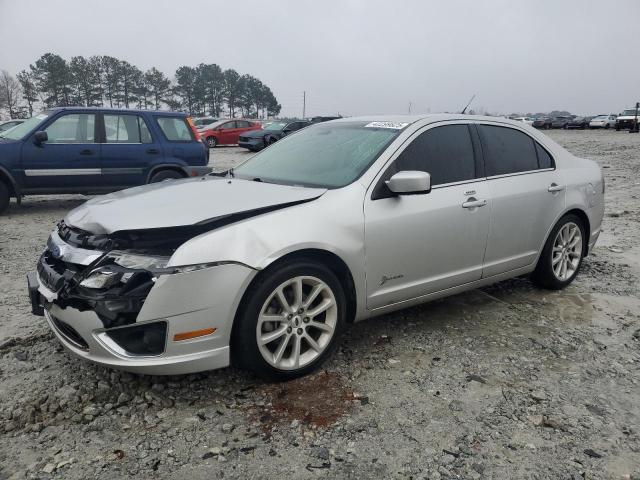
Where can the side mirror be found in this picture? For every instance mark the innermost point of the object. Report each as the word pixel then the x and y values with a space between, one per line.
pixel 40 137
pixel 409 182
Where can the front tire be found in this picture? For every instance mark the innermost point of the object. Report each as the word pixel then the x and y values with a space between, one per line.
pixel 5 197
pixel 212 142
pixel 562 255
pixel 290 321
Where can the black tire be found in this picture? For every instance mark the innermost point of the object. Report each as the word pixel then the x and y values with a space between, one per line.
pixel 244 344
pixel 163 175
pixel 543 275
pixel 212 142
pixel 606 127
pixel 5 197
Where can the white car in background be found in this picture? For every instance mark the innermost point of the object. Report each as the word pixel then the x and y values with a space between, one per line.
pixel 527 120
pixel 603 121
pixel 9 124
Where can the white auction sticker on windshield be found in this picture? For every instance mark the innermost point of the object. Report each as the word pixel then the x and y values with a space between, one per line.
pixel 392 125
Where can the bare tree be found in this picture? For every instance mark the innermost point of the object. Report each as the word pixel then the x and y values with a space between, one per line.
pixel 9 93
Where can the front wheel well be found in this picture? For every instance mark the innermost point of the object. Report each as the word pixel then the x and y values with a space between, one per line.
pixel 4 178
pixel 326 258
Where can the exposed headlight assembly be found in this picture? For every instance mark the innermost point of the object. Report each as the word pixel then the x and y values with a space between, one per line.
pixel 127 264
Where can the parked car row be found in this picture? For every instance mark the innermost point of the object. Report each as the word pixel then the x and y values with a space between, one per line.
pixel 626 120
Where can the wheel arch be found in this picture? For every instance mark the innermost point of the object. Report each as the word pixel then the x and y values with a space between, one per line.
pixel 159 168
pixel 324 257
pixel 9 181
pixel 582 215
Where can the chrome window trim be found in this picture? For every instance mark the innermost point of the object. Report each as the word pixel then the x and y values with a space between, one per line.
pixel 514 174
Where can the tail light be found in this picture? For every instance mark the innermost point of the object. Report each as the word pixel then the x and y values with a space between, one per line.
pixel 194 129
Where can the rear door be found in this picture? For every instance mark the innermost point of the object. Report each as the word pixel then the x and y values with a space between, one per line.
pixel 128 149
pixel 228 133
pixel 69 159
pixel 527 195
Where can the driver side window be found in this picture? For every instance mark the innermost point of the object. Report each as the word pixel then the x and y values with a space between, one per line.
pixel 72 128
pixel 446 153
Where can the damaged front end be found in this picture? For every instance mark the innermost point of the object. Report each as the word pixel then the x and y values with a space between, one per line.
pixel 88 272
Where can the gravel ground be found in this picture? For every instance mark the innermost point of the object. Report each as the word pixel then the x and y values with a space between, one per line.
pixel 503 382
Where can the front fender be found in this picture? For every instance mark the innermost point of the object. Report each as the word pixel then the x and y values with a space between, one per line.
pixel 333 223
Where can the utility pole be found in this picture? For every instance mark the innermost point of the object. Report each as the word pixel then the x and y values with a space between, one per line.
pixel 304 104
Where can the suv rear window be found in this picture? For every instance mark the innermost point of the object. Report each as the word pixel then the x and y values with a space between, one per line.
pixel 507 150
pixel 175 129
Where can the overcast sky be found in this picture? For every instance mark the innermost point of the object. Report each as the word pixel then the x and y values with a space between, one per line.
pixel 360 56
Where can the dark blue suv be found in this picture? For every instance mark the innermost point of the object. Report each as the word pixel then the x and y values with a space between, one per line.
pixel 96 150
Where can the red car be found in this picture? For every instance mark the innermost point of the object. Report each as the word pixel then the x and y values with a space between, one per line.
pixel 226 132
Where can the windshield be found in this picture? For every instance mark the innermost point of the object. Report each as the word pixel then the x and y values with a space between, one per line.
pixel 329 155
pixel 631 113
pixel 19 131
pixel 275 126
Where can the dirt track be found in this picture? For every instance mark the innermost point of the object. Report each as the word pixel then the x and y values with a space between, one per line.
pixel 503 382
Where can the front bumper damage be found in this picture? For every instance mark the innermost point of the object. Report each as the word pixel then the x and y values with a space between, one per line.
pixel 132 324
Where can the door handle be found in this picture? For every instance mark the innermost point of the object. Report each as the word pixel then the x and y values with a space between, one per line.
pixel 472 203
pixel 86 151
pixel 554 187
pixel 153 151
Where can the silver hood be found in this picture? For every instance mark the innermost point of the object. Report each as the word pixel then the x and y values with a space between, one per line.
pixel 178 203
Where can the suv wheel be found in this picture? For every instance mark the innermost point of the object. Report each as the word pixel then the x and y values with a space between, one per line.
pixel 5 197
pixel 212 142
pixel 290 322
pixel 163 175
pixel 562 255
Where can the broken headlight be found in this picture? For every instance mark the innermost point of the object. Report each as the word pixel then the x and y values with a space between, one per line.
pixel 139 261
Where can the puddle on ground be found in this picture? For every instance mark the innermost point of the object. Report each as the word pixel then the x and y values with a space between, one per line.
pixel 317 401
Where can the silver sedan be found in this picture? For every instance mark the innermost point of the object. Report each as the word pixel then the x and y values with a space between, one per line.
pixel 264 266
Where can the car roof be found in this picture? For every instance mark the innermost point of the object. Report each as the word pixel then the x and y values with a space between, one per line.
pixel 430 118
pixel 116 110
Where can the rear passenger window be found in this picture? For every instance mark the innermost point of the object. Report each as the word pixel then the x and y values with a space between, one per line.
pixel 446 153
pixel 228 126
pixel 242 124
pixel 175 129
pixel 544 159
pixel 126 129
pixel 507 150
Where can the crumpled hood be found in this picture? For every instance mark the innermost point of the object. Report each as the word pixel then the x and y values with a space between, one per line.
pixel 177 203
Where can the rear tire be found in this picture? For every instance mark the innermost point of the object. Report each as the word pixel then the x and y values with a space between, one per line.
pixel 295 340
pixel 5 197
pixel 562 255
pixel 163 175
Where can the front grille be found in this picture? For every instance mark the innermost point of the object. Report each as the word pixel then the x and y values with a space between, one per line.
pixel 70 333
pixel 54 272
pixel 243 139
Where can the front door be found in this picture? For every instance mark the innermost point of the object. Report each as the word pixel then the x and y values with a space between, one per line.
pixel 424 243
pixel 69 159
pixel 228 133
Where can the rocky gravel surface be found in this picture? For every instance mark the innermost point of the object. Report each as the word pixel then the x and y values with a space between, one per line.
pixel 506 382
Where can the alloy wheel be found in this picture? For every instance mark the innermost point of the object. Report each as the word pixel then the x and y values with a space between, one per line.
pixel 296 323
pixel 567 251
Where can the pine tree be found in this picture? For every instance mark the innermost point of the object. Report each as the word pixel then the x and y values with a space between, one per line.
pixel 29 90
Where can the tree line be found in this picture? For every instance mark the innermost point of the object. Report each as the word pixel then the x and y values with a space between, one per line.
pixel 104 81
